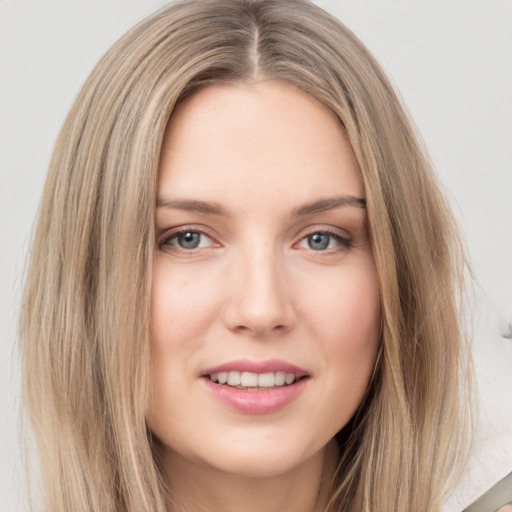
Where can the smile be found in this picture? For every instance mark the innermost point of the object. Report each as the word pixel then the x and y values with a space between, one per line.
pixel 255 381
pixel 255 387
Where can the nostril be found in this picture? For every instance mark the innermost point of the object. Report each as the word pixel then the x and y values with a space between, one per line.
pixel 256 331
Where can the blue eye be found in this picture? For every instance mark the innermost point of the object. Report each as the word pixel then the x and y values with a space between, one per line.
pixel 187 240
pixel 318 241
pixel 323 240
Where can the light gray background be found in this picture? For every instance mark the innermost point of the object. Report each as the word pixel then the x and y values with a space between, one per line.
pixel 450 59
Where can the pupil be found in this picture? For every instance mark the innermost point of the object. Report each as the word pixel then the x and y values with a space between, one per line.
pixel 318 241
pixel 189 240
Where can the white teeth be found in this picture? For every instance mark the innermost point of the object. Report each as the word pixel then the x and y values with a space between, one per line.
pixel 249 380
pixel 234 378
pixel 266 380
pixel 279 378
pixel 253 380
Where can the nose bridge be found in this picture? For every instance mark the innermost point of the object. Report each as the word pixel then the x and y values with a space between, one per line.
pixel 259 301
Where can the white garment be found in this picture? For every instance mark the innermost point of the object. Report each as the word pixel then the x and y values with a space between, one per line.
pixel 491 455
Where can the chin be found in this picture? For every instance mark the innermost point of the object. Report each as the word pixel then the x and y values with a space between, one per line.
pixel 258 458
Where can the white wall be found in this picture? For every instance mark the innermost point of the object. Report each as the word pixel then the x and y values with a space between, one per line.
pixel 452 61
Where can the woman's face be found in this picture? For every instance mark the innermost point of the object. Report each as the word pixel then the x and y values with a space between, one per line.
pixel 265 300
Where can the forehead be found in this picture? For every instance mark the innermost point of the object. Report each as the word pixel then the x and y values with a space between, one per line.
pixel 259 140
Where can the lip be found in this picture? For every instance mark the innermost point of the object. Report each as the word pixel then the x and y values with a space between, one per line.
pixel 246 365
pixel 251 401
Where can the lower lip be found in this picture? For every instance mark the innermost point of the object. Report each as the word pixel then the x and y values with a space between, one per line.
pixel 263 401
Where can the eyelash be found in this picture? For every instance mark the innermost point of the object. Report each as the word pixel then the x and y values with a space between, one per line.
pixel 166 241
pixel 344 242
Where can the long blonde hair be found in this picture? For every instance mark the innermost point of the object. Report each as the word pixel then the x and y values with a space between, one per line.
pixel 85 315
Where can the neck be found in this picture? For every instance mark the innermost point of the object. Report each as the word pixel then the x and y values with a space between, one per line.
pixel 200 488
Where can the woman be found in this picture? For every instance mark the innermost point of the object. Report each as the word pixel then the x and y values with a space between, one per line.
pixel 243 291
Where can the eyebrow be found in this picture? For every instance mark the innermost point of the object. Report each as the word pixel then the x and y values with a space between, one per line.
pixel 322 205
pixel 329 204
pixel 193 205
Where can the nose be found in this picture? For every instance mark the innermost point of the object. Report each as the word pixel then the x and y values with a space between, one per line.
pixel 259 300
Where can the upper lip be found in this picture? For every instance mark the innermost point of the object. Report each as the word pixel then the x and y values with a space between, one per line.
pixel 267 366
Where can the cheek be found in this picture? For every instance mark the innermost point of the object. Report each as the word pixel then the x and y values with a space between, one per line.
pixel 181 309
pixel 182 306
pixel 175 337
pixel 344 307
pixel 344 321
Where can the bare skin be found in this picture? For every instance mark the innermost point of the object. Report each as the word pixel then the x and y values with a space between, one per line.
pixel 214 492
pixel 263 267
